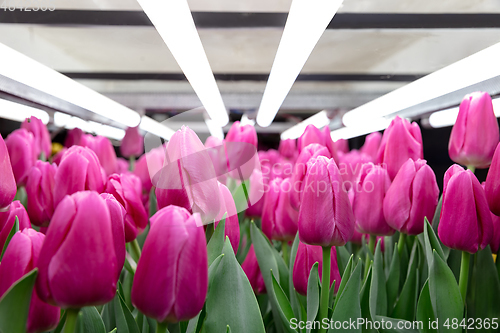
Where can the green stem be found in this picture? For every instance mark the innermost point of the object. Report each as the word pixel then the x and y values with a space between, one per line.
pixel 136 250
pixel 464 274
pixel 325 286
pixel 161 327
pixel 401 243
pixel 471 168
pixel 71 318
pixel 372 242
pixel 131 164
pixel 284 249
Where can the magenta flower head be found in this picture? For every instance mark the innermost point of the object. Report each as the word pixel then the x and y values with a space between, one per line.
pixel 40 185
pixel 79 170
pixel 251 268
pixel 492 186
pixel 412 196
pixel 122 165
pixel 8 218
pixel 342 146
pixel 368 202
pixel 465 223
pixel 149 165
pixel 117 216
pixel 307 255
pixel 300 171
pixel 78 263
pixel 311 135
pixel 328 143
pixel 401 141
pixel 350 165
pixel 495 239
pixel 241 150
pixel 288 148
pixel 279 219
pixel 73 138
pixel 325 215
pixel 104 150
pixel 171 281
pixel 40 133
pixel 232 226
pixel 132 143
pixel 475 134
pixel 216 148
pixel 19 259
pixel 23 153
pixel 188 178
pixel 126 188
pixel 56 159
pixel 371 145
pixel 256 194
pixel 8 186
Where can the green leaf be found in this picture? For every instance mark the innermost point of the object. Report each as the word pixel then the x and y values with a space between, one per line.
pixel 348 307
pixel 153 207
pixel 437 215
pixel 193 323
pixel 343 281
pixel 228 329
pixel 313 293
pixel 91 321
pixel 425 313
pixel 293 294
pixel 445 295
pixel 395 323
pixel 286 312
pixel 15 228
pixel 283 272
pixel 108 315
pixel 392 285
pixel 378 293
pixel 431 243
pixel 15 303
pixel 230 299
pixel 388 254
pixel 343 257
pixel 365 301
pixel 406 304
pixel 216 243
pixel 125 322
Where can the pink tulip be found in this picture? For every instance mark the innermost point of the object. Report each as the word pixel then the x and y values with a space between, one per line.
pixel 78 263
pixel 372 144
pixel 307 255
pixel 311 135
pixel 217 150
pixel 79 170
pixel 23 153
pixel 256 194
pixel 288 148
pixel 149 165
pixel 495 239
pixel 465 223
pixel 325 215
pixel 40 133
pixel 188 178
pixel 350 166
pixel 132 143
pixel 40 185
pixel 270 161
pixel 241 147
pixel 117 216
pixel 328 143
pixel 56 159
pixel 342 146
pixel 171 281
pixel 7 181
pixel 475 134
pixel 242 133
pixel 251 268
pixel 73 138
pixel 8 218
pixel 412 196
pixel 492 186
pixel 122 165
pixel 368 202
pixel 19 259
pixel 232 225
pixel 279 219
pixel 104 150
pixel 401 141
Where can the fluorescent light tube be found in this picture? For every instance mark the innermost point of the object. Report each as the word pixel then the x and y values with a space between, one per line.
pixel 25 70
pixel 476 68
pixel 19 112
pixel 69 122
pixel 448 117
pixel 365 128
pixel 156 128
pixel 319 120
pixel 214 129
pixel 306 22
pixel 247 121
pixel 174 23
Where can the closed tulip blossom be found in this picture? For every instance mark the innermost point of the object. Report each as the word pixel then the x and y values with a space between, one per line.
pixel 369 193
pixel 171 281
pixel 332 148
pixel 495 239
pixel 288 148
pixel 492 186
pixel 307 255
pixel 412 196
pixel 256 194
pixel 342 146
pixel 132 143
pixel 40 186
pixel 149 165
pixel 56 159
pixel 325 215
pixel 73 138
pixel 40 133
pixel 188 178
pixel 8 218
pixel 8 186
pixel 104 151
pixel 350 166
pixel 122 165
pixel 126 188
pixel 232 225
pixel 475 134
pixel 19 259
pixel 241 148
pixel 371 145
pixel 311 135
pixel 23 153
pixel 251 268
pixel 117 216
pixel 79 170
pixel 279 219
pixel 401 141
pixel 78 264
pixel 217 151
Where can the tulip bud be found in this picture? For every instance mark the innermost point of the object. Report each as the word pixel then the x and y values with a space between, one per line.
pixel 307 255
pixel 78 263
pixel 7 181
pixel 8 218
pixel 126 188
pixel 371 145
pixel 148 166
pixel 19 259
pixel 232 225
pixel 173 264
pixel 40 133
pixel 287 148
pixel 23 153
pixel 325 215
pixel 268 161
pixel 311 135
pixel 132 143
pixel 217 150
pixel 122 165
pixel 342 146
pixel 40 185
pixel 241 146
pixel 368 202
pixel 279 219
pixel 188 178
pixel 251 268
pixel 56 159
pixel 495 239
pixel 104 150
pixel 73 138
pixel 117 216
pixel 401 141
pixel 256 194
pixel 300 171
pixel 492 186
pixel 475 134
pixel 465 223
pixel 412 196
pixel 350 166
pixel 328 143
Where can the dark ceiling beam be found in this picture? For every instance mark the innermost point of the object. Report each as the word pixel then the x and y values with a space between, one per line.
pixel 254 20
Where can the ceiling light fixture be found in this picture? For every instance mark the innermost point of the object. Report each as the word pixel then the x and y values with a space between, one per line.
pixel 19 112
pixel 374 125
pixel 319 120
pixel 448 117
pixel 156 128
pixel 69 122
